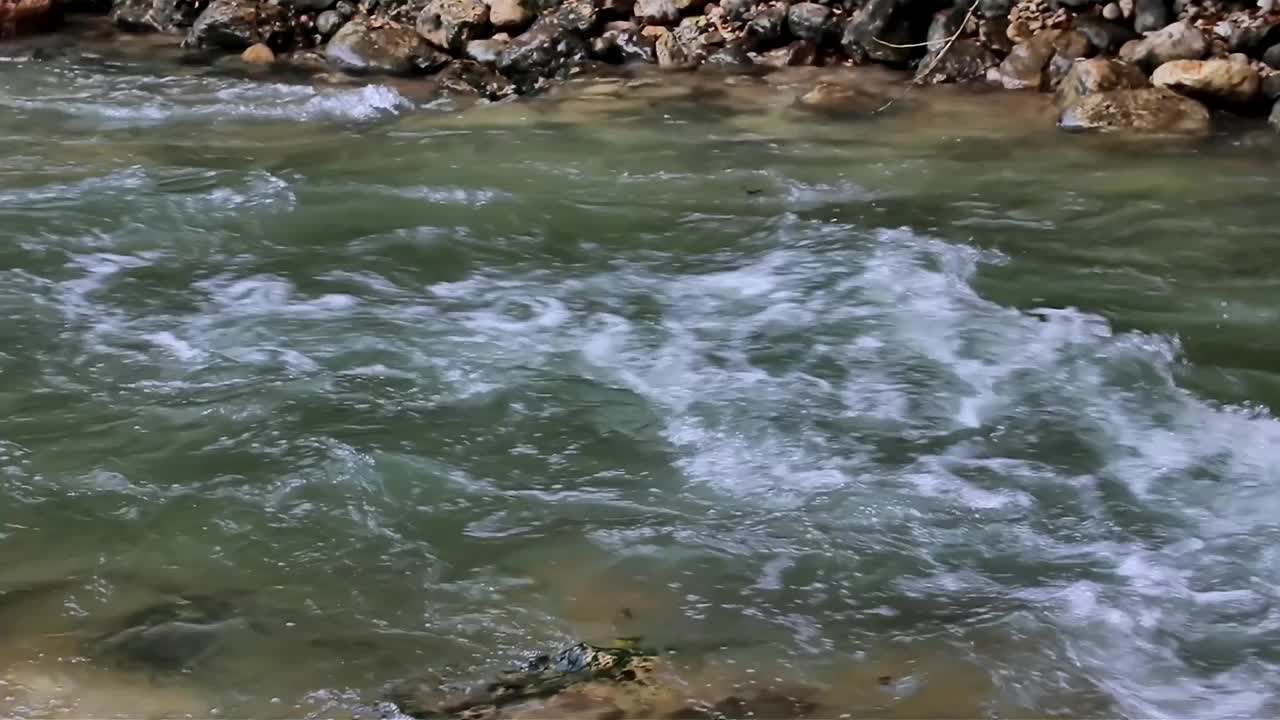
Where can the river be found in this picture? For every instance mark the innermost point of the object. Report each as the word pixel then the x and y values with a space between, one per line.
pixel 938 414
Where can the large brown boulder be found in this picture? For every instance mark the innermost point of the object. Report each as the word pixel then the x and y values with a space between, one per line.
pixel 1025 67
pixel 1088 77
pixel 1214 81
pixel 451 24
pixel 1147 111
pixel 19 17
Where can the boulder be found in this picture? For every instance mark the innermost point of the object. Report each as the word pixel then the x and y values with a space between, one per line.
pixel 20 17
pixel 362 47
pixel 838 99
pixel 1088 77
pixel 657 12
pixel 451 24
pixel 1111 11
pixel 1024 69
pixel 1274 119
pixel 798 53
pixel 767 27
pixel 486 51
pixel 736 10
pixel 1214 81
pixel 1179 41
pixel 809 21
pixel 670 53
pixel 965 60
pixel 237 24
pixel 1271 56
pixel 152 15
pixel 1151 15
pixel 874 24
pixel 1146 111
pixel 546 49
pixel 328 22
pixel 1105 37
pixel 577 15
pixel 1271 87
pixel 510 15
pixel 624 46
pixel 258 54
pixel 1072 45
pixel 732 55
pixel 470 77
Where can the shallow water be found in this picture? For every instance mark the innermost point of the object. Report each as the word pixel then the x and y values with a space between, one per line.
pixel 939 414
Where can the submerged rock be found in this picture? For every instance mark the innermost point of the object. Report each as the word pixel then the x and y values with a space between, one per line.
pixel 1088 77
pixel 362 46
pixel 470 77
pixel 832 99
pixel 171 636
pixel 1219 81
pixel 1274 118
pixel 237 24
pixel 1151 110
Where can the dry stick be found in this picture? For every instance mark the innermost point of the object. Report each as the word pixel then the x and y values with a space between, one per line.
pixel 936 58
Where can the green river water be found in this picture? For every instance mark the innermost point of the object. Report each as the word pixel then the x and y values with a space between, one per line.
pixel 937 414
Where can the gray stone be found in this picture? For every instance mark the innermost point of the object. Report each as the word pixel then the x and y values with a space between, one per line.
pixel 1088 77
pixel 1179 41
pixel 328 22
pixel 510 15
pixel 768 26
pixel 1024 69
pixel 797 54
pixel 732 55
pixel 1271 87
pixel 451 24
pixel 736 10
pixel 237 24
pixel 874 29
pixel 1271 56
pixel 809 21
pixel 361 47
pixel 1274 119
pixel 657 12
pixel 624 46
pixel 1112 12
pixel 1146 111
pixel 1105 36
pixel 1151 15
pixel 546 49
pixel 670 53
pixel 470 77
pixel 577 15
pixel 346 9
pixel 152 15
pixel 485 51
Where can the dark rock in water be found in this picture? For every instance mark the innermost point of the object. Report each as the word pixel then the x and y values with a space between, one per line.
pixel 546 49
pixel 1274 119
pixel 1096 75
pixel 729 56
pixel 1147 111
pixel 451 24
pixel 307 60
pixel 1271 56
pixel 1105 36
pixel 657 12
pixel 237 24
pixel 874 31
pixel 168 637
pixel 1271 87
pixel 510 15
pixel 1025 67
pixel 468 76
pixel 1151 15
pixel 809 21
pixel 1179 41
pixel 328 22
pixel 799 53
pixel 767 27
pixel 966 60
pixel 152 15
pixel 360 46
pixel 770 704
pixel 313 6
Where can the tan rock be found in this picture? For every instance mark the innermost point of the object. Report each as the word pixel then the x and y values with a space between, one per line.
pixel 258 54
pixel 1087 77
pixel 1212 80
pixel 1156 111
pixel 509 14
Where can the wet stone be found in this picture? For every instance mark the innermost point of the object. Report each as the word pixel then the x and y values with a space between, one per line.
pixel 168 637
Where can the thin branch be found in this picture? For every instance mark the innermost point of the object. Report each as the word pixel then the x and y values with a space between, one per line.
pixel 936 58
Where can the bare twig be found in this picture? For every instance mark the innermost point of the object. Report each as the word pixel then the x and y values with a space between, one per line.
pixel 946 45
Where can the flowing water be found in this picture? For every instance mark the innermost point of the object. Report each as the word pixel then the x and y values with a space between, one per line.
pixel 939 414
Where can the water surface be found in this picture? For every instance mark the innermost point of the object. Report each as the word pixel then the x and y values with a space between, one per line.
pixel 939 414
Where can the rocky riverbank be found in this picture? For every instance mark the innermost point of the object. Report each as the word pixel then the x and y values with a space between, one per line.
pixel 1161 66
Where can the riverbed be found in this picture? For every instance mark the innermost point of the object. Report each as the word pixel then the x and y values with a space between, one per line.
pixel 932 413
